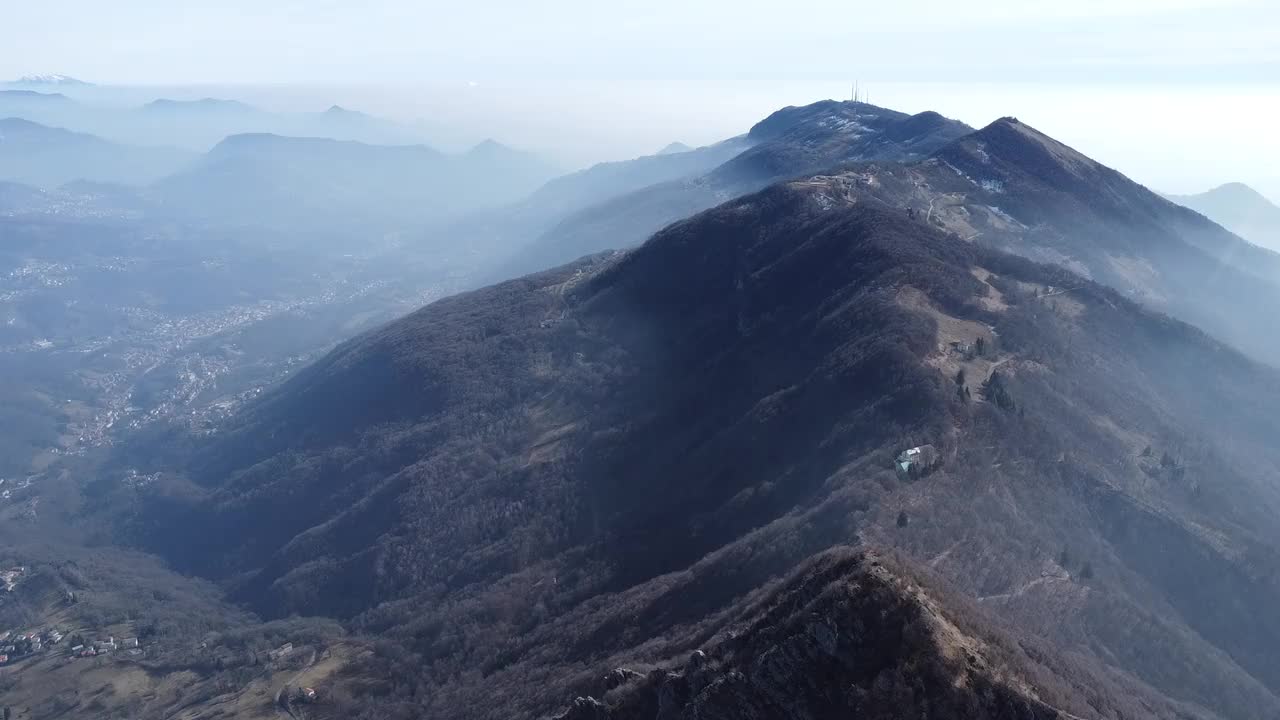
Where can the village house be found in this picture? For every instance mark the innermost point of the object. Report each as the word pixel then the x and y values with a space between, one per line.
pixel 921 458
pixel 129 642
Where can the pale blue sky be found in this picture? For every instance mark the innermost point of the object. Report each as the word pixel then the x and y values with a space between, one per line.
pixel 171 41
pixel 586 79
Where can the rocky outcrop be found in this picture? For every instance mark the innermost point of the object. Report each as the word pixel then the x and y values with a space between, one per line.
pixel 585 708
pixel 846 637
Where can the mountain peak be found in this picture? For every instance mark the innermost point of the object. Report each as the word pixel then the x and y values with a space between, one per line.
pixel 488 145
pixel 490 149
pixel 1009 146
pixel 51 79
pixel 1011 124
pixel 1239 190
pixel 339 111
pixel 830 114
pixel 1239 208
pixel 674 148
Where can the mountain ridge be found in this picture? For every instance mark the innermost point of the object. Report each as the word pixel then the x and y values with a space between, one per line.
pixel 827 641
pixel 1015 189
pixel 533 430
pixel 789 142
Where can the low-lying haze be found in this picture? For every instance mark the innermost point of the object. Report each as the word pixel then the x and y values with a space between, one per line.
pixel 1124 81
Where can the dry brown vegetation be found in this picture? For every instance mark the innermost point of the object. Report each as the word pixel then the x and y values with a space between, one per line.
pixel 519 505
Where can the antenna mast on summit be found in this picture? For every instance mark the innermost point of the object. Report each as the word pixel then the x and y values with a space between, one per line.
pixel 859 95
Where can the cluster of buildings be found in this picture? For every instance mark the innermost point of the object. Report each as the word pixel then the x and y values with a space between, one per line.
pixel 106 647
pixel 13 647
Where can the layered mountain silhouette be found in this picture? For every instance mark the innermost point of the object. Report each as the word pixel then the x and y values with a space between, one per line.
pixel 43 156
pixel 194 124
pixel 29 99
pixel 606 463
pixel 296 182
pixel 674 148
pixel 609 180
pixel 789 142
pixel 1238 208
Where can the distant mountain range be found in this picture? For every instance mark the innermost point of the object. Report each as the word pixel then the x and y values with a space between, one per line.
pixel 1240 209
pixel 43 156
pixel 34 98
pixel 298 183
pixel 195 124
pixel 616 205
pixel 510 232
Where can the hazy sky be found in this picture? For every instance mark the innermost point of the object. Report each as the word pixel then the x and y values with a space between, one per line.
pixel 1177 93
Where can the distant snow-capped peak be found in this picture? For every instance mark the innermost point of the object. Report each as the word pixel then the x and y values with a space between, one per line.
pixel 49 80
